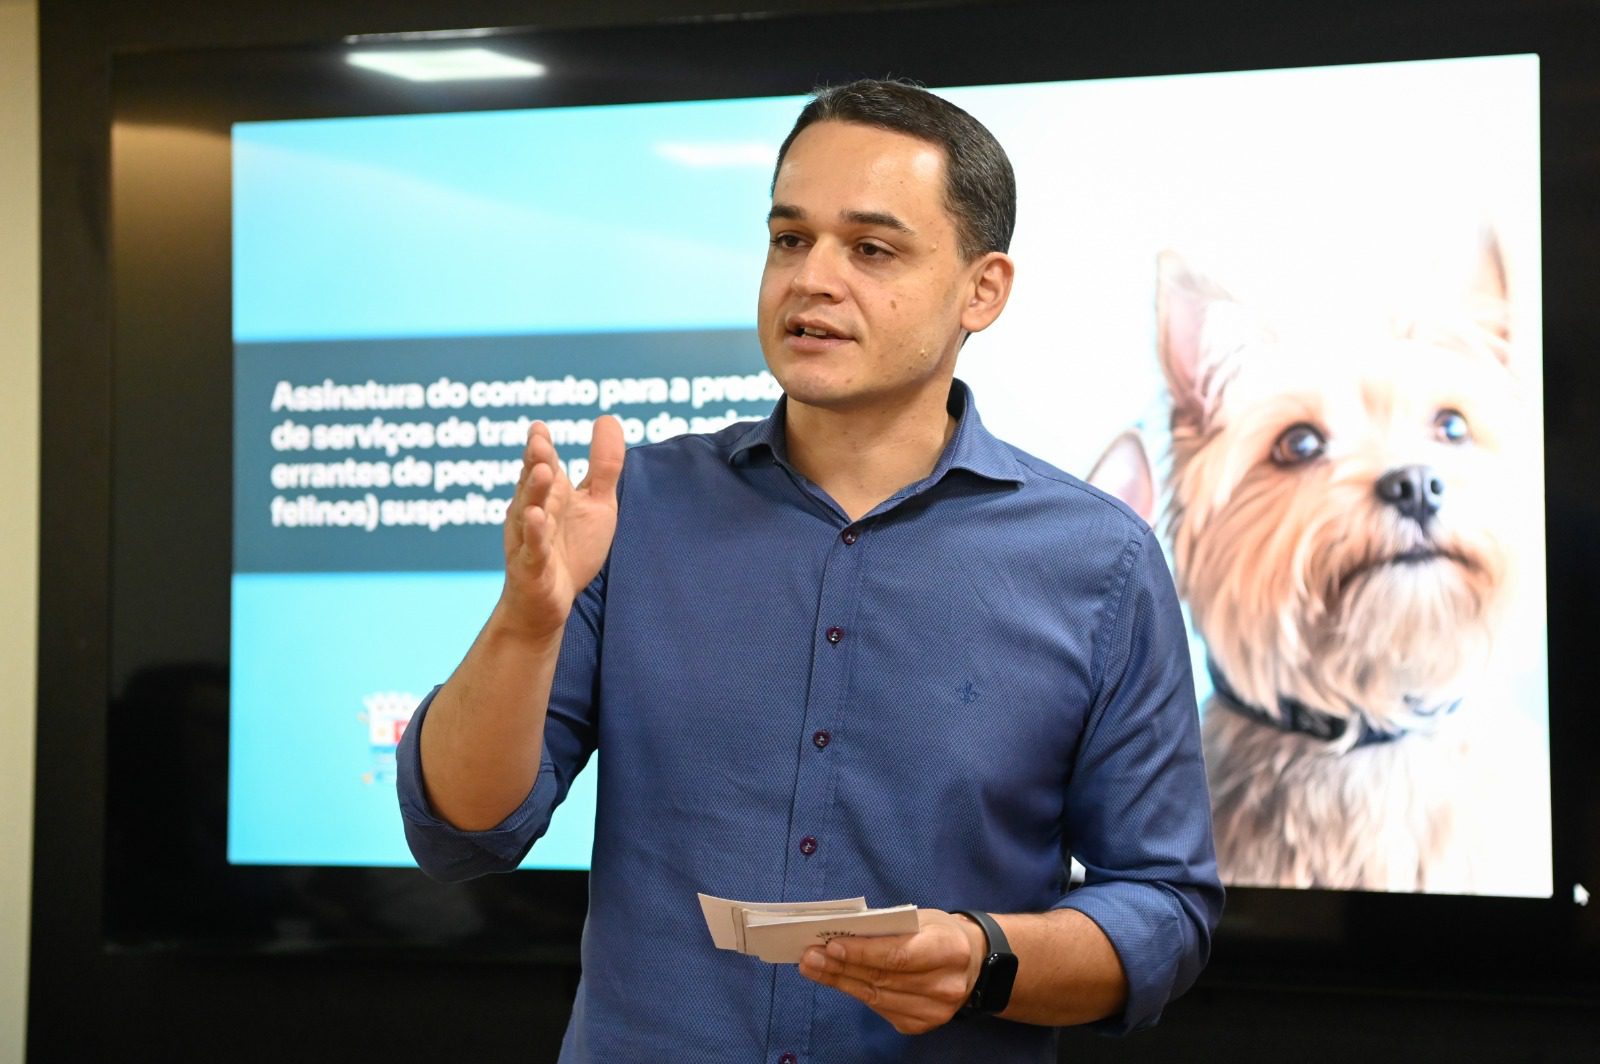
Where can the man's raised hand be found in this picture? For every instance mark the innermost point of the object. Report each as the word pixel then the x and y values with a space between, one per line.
pixel 556 535
pixel 482 743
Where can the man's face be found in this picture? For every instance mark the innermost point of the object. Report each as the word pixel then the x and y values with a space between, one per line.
pixel 865 294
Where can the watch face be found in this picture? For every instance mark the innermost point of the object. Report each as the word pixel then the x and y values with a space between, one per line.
pixel 995 981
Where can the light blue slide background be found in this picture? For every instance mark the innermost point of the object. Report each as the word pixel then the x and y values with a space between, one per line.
pixel 588 219
pixel 307 649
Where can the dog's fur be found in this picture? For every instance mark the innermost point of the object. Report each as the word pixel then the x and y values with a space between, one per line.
pixel 1306 585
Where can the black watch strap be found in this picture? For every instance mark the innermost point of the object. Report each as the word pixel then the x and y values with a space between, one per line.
pixel 992 992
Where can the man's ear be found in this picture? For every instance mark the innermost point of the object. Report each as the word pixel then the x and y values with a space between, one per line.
pixel 988 290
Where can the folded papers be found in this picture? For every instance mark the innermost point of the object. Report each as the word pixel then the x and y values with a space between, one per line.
pixel 779 932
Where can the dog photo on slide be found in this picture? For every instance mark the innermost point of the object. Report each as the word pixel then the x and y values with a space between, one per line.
pixel 1340 502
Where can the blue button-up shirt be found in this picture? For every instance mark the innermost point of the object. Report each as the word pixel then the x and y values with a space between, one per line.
pixel 939 703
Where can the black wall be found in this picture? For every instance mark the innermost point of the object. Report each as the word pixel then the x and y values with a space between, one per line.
pixel 90 1004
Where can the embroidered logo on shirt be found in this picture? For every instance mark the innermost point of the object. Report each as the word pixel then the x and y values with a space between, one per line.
pixel 969 693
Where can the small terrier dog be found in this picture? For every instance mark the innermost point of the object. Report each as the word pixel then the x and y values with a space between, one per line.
pixel 1336 512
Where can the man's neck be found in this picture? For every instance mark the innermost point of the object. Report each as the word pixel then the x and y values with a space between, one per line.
pixel 863 455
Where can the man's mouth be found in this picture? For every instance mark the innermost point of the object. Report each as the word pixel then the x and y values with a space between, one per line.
pixel 815 330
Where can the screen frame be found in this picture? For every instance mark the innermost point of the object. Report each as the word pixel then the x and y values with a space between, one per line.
pixel 1314 936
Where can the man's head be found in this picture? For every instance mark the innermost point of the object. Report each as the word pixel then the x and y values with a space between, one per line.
pixel 980 189
pixel 882 257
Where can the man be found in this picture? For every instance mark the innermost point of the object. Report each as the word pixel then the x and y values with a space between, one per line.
pixel 862 647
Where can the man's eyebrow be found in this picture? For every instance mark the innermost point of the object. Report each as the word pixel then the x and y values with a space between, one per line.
pixel 883 219
pixel 879 218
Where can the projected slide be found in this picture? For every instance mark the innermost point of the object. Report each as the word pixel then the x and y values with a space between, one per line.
pixel 1290 316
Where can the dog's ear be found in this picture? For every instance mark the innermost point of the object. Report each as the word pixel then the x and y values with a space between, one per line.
pixel 1487 301
pixel 1124 471
pixel 1184 297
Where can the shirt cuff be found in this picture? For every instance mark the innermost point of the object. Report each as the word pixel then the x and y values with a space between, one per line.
pixel 444 851
pixel 1150 937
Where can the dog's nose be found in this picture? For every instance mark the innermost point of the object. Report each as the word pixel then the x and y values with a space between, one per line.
pixel 1414 490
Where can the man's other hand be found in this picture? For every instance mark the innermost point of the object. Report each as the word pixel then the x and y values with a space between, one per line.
pixel 917 982
pixel 556 535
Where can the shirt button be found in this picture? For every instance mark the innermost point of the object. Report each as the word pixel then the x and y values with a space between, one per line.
pixel 820 740
pixel 808 845
pixel 849 536
pixel 788 1058
pixel 835 634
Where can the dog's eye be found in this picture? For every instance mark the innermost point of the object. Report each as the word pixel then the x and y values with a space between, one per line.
pixel 1298 443
pixel 1451 427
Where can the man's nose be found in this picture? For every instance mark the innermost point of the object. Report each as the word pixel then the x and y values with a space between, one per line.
pixel 819 273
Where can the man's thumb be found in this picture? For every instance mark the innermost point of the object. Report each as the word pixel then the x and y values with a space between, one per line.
pixel 606 451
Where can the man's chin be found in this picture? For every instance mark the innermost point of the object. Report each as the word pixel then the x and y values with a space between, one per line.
pixel 832 386
pixel 843 400
pixel 824 399
pixel 806 386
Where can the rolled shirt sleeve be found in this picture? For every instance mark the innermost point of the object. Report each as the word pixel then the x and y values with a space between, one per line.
pixel 447 853
pixel 1138 813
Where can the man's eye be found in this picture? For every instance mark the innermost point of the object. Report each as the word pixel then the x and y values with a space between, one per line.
pixel 787 241
pixel 873 251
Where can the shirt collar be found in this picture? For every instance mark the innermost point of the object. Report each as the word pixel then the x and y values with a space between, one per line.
pixel 971 448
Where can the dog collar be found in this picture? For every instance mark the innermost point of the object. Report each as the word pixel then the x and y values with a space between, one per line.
pixel 1295 716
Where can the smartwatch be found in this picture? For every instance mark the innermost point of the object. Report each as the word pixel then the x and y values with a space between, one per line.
pixel 992 992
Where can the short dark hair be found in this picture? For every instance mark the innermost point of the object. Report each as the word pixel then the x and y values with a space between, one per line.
pixel 980 189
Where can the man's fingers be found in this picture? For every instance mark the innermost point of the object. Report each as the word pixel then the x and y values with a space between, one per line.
pixel 533 519
pixel 533 492
pixel 923 974
pixel 910 1013
pixel 944 984
pixel 535 533
pixel 537 445
pixel 539 479
pixel 539 469
pixel 606 451
pixel 913 952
